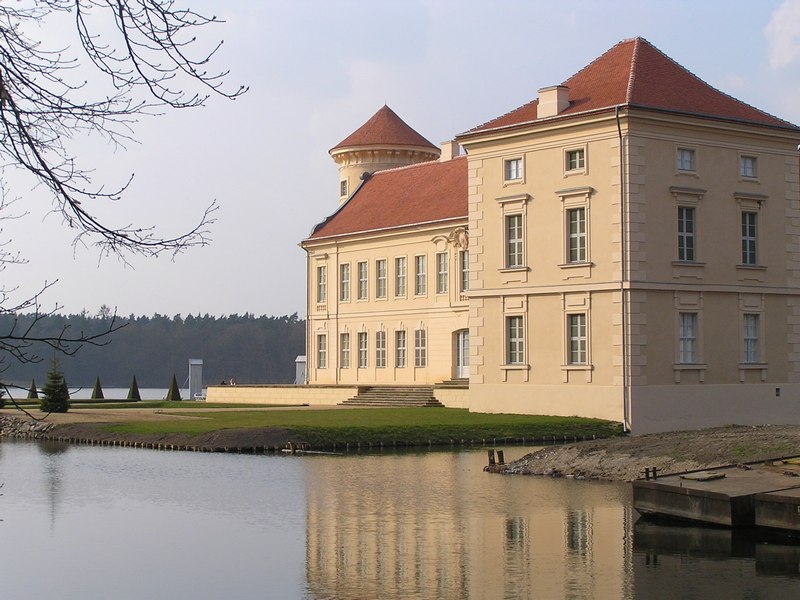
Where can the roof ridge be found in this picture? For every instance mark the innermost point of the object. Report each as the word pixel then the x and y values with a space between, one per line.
pixel 632 73
pixel 426 163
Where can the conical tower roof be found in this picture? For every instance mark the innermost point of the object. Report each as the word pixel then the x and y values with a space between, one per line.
pixel 637 74
pixel 383 129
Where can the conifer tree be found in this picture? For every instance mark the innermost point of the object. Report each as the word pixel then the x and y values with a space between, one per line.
pixel 97 391
pixel 55 397
pixel 33 392
pixel 174 393
pixel 133 392
pixel 2 395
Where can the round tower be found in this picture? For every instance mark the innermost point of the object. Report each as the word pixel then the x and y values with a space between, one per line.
pixel 383 142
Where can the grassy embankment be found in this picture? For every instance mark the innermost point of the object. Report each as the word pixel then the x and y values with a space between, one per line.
pixel 387 426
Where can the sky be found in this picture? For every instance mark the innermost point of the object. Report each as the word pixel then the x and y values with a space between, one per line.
pixel 317 70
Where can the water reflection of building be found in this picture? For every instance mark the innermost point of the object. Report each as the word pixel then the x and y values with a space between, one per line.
pixel 387 528
pixel 705 562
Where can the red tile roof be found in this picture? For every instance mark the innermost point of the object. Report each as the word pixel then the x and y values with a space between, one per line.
pixel 422 193
pixel 382 129
pixel 637 74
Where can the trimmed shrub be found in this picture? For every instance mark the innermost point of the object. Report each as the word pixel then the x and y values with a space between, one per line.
pixel 97 391
pixel 174 393
pixel 133 392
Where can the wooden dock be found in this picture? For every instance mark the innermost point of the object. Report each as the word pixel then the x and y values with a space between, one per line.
pixel 763 495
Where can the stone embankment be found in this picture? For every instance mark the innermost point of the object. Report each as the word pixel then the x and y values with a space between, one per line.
pixel 13 427
pixel 626 458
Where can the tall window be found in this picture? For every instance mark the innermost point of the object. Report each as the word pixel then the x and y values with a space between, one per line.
pixel 747 166
pixel 513 241
pixel 685 159
pixel 343 187
pixel 749 230
pixel 515 353
pixel 576 159
pixel 512 169
pixel 686 233
pixel 400 276
pixel 420 276
pixel 344 350
pixel 576 229
pixel 441 272
pixel 362 349
pixel 750 338
pixel 463 261
pixel 344 282
pixel 322 351
pixel 380 278
pixel 363 275
pixel 400 349
pixel 420 348
pixel 322 284
pixel 380 349
pixel 687 338
pixel 576 332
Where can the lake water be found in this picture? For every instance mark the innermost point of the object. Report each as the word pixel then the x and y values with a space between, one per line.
pixel 90 522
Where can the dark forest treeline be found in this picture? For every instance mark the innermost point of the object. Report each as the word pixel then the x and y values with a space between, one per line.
pixel 246 348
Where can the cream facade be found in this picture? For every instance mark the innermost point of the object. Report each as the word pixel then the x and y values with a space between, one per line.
pixel 394 311
pixel 632 239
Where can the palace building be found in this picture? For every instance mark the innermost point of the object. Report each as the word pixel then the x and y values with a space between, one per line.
pixel 625 246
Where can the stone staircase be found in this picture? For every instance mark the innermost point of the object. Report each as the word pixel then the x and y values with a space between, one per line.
pixel 457 382
pixel 394 396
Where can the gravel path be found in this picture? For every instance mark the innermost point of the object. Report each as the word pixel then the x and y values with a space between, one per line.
pixel 624 459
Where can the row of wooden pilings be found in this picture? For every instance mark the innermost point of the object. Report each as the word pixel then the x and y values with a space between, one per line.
pixel 163 446
pixel 347 447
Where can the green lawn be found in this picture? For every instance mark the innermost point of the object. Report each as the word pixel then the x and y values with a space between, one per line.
pixel 409 426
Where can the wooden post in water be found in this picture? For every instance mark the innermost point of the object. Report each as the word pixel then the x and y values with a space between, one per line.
pixel 500 458
pixel 491 457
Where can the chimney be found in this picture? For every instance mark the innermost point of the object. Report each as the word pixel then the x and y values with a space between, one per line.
pixel 450 149
pixel 552 100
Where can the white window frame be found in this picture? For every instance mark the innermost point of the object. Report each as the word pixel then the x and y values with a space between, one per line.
pixel 322 284
pixel 515 340
pixel 748 167
pixel 381 271
pixel 322 350
pixel 688 350
pixel 686 159
pixel 513 170
pixel 380 349
pixel 463 264
pixel 420 348
pixel 577 251
pixel 751 338
pixel 577 330
pixel 575 160
pixel 344 282
pixel 400 348
pixel 362 268
pixel 686 237
pixel 400 276
pixel 344 350
pixel 343 188
pixel 749 231
pixel 363 350
pixel 515 240
pixel 420 275
pixel 442 272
